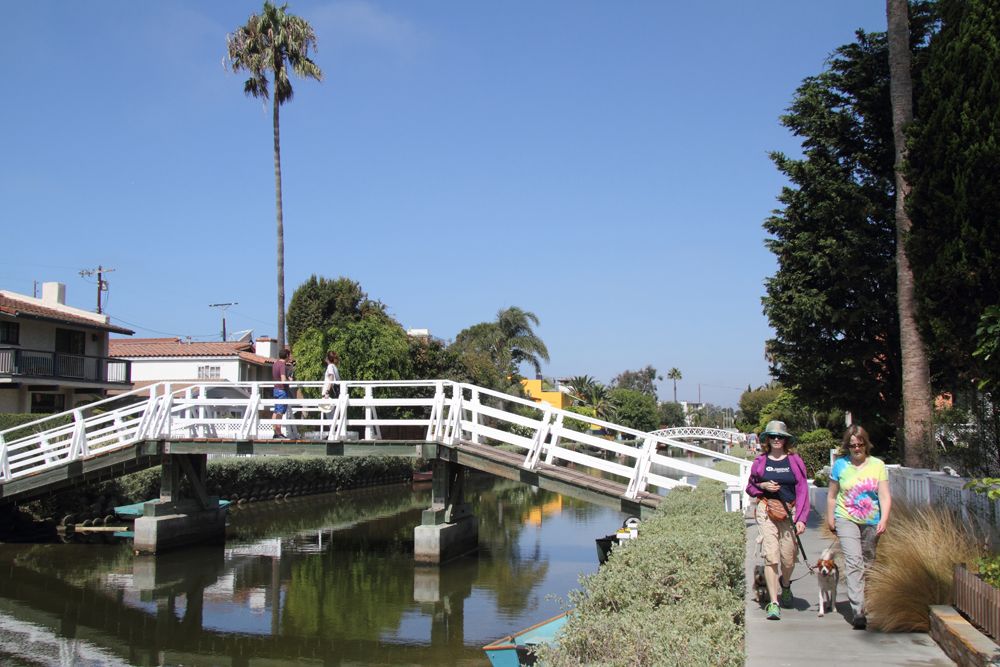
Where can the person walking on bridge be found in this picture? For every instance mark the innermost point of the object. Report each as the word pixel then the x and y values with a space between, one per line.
pixel 778 482
pixel 332 375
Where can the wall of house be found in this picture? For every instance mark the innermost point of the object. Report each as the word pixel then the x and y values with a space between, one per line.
pixel 38 335
pixel 182 368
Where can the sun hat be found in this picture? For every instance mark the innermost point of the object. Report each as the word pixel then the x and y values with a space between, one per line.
pixel 775 427
pixel 326 408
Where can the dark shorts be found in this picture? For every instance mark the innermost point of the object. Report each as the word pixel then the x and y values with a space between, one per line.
pixel 280 409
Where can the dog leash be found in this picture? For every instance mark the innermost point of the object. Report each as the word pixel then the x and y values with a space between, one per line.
pixel 795 534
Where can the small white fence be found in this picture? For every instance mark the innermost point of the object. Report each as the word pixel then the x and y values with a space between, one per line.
pixel 445 412
pixel 920 487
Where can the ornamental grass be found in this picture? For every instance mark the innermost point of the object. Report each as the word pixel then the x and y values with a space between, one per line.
pixel 914 566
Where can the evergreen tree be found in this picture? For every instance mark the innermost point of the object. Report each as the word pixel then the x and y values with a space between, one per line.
pixel 832 302
pixel 954 166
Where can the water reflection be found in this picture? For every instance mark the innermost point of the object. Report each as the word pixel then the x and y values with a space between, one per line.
pixel 329 579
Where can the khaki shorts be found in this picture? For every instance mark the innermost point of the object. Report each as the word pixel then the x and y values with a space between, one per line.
pixel 777 540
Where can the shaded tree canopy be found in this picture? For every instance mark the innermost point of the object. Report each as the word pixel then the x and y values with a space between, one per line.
pixel 321 302
pixel 954 168
pixel 635 409
pixel 643 380
pixel 832 301
pixel 670 414
pixel 493 351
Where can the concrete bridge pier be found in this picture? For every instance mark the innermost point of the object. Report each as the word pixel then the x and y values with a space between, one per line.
pixel 175 520
pixel 448 529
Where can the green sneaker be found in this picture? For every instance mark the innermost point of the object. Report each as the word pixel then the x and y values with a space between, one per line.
pixel 786 597
pixel 773 612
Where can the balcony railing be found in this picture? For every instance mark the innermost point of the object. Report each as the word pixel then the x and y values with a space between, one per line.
pixel 18 362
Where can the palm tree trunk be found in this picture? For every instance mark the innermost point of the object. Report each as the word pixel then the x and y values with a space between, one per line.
pixel 918 428
pixel 281 228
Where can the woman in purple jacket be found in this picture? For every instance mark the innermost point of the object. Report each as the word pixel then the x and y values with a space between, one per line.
pixel 779 473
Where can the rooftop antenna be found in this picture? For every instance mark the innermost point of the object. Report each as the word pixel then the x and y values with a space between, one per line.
pixel 223 306
pixel 102 284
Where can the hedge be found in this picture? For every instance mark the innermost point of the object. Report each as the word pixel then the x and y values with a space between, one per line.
pixel 14 419
pixel 675 596
pixel 236 479
pixel 816 455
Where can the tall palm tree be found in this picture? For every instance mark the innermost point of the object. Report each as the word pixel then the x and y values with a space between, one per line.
pixel 274 42
pixel 516 340
pixel 675 375
pixel 918 429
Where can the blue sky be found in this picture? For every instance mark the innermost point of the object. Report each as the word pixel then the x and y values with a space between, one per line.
pixel 603 165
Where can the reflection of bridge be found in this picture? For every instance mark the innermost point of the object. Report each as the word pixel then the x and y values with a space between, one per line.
pixel 450 423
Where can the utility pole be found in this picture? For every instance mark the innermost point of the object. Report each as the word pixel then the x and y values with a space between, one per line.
pixel 223 306
pixel 102 284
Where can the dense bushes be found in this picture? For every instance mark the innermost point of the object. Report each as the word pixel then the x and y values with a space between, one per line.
pixel 816 455
pixel 13 419
pixel 237 479
pixel 674 596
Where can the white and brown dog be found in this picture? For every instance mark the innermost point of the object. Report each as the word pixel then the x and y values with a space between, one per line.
pixel 828 576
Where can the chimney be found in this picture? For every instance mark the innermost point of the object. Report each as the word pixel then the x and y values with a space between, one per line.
pixel 266 347
pixel 54 294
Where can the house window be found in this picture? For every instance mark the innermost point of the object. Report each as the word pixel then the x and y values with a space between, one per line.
pixel 9 333
pixel 70 342
pixel 209 372
pixel 47 403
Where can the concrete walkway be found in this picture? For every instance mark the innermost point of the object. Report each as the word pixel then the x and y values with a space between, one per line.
pixel 802 638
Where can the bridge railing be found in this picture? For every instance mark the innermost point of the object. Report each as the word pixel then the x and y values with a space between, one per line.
pixel 441 410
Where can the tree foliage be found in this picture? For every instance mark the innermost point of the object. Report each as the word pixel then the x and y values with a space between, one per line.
pixel 492 352
pixel 832 301
pixel 642 380
pixel 954 167
pixel 670 414
pixel 635 409
pixel 753 402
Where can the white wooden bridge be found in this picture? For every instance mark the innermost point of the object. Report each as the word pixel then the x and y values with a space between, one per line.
pixel 438 420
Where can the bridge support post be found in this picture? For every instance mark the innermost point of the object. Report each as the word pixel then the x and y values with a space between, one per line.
pixel 175 520
pixel 448 528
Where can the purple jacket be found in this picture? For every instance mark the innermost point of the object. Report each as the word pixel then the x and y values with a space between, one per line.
pixel 801 483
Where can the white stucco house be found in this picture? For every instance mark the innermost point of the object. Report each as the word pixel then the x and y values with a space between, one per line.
pixel 54 357
pixel 186 364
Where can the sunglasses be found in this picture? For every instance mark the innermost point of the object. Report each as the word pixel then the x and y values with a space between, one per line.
pixel 778 437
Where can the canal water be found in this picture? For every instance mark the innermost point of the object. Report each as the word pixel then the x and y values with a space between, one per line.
pixel 321 580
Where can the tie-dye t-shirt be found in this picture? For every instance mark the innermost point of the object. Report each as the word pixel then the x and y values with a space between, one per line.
pixel 858 497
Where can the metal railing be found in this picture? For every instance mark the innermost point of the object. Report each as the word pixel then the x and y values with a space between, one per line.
pixel 21 362
pixel 445 412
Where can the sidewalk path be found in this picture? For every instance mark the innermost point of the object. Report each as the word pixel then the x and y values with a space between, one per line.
pixel 802 638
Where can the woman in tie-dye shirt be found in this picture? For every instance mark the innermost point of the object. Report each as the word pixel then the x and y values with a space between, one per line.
pixel 857 509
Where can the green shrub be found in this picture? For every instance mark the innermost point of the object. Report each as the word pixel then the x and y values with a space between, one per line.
pixel 989 569
pixel 819 435
pixel 674 596
pixel 14 419
pixel 816 455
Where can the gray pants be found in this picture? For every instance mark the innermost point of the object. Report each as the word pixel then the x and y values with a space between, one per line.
pixel 857 543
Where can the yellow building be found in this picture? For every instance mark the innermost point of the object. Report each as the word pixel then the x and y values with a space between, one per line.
pixel 537 391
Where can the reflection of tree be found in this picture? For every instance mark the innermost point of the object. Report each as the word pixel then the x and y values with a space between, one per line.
pixel 356 594
pixel 77 564
pixel 503 569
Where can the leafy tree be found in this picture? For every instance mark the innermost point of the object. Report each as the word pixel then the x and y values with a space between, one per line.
pixel 274 42
pixel 635 409
pixel 753 401
pixel 431 359
pixel 641 380
pixel 675 375
pixel 372 348
pixel 918 427
pixel 491 352
pixel 955 204
pixel 597 398
pixel 670 414
pixel 321 302
pixel 832 302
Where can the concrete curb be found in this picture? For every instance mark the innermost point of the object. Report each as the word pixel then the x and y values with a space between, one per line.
pixel 961 640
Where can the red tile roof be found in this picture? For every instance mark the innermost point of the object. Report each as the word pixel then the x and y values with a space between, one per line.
pixel 18 308
pixel 133 348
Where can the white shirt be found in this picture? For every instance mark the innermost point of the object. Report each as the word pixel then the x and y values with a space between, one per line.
pixel 332 375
